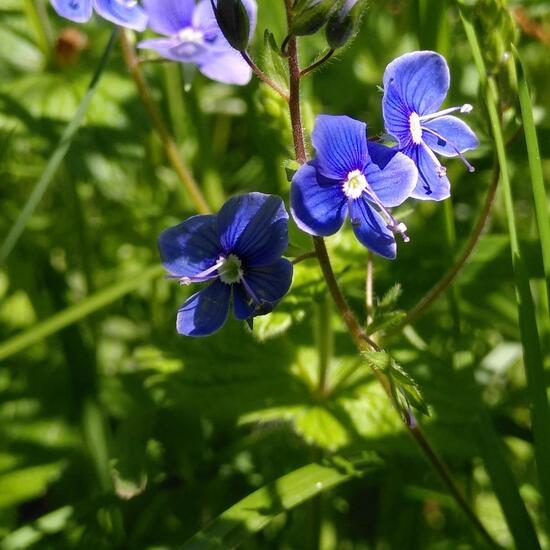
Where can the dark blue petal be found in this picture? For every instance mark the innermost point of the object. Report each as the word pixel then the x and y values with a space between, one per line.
pixel 396 115
pixel 432 184
pixel 191 247
pixel 205 312
pixel 270 283
pixel 168 17
pixel 391 175
pixel 243 305
pixel 371 230
pixel 341 145
pixel 456 134
pixel 227 66
pixel 78 11
pixel 421 79
pixel 121 12
pixel 254 227
pixel 318 207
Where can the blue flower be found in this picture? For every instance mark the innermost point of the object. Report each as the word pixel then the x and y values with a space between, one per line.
pixel 415 86
pixel 239 250
pixel 351 175
pixel 193 36
pixel 126 13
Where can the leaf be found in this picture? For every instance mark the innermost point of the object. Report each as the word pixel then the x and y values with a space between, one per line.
pixel 385 321
pixel 318 426
pixel 275 66
pixel 291 167
pixel 391 296
pixel 257 510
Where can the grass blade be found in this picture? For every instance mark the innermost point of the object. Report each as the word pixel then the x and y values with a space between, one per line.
pixel 535 167
pixel 254 512
pixel 77 312
pixel 55 160
pixel 532 355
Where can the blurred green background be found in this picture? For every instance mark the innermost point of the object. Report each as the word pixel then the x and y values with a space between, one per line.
pixel 115 432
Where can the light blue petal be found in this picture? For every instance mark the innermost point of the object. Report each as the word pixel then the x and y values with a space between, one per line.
pixel 341 146
pixel 432 184
pixel 318 207
pixel 173 49
pixel 168 17
pixel 456 133
pixel 227 66
pixel 78 11
pixel 396 116
pixel 126 13
pixel 191 247
pixel 254 227
pixel 391 175
pixel 205 312
pixel 371 230
pixel 421 79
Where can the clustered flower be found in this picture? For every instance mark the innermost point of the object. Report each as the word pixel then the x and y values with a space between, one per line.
pixel 239 251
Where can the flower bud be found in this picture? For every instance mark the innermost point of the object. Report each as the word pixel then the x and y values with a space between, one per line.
pixel 233 21
pixel 310 15
pixel 344 22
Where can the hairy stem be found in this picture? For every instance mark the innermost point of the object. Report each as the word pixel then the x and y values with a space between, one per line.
pixel 170 147
pixel 263 77
pixel 355 329
pixel 314 66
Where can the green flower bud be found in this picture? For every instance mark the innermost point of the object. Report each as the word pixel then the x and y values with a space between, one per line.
pixel 344 23
pixel 233 21
pixel 310 15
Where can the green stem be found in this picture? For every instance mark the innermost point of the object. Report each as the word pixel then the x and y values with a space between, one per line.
pixel 37 16
pixel 170 147
pixel 314 66
pixel 445 282
pixel 263 77
pixel 532 355
pixel 55 160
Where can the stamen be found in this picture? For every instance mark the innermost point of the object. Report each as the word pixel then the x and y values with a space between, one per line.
pixel 251 294
pixel 399 228
pixel 466 108
pixel 415 128
pixel 453 146
pixel 203 275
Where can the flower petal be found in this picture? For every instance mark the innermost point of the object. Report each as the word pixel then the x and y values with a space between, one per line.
pixel 421 80
pixel 254 227
pixel 191 247
pixel 129 14
pixel 456 133
pixel 391 175
pixel 270 283
pixel 433 184
pixel 341 145
pixel 168 17
pixel 173 49
pixel 319 208
pixel 227 66
pixel 78 11
pixel 205 312
pixel 243 306
pixel 396 116
pixel 371 230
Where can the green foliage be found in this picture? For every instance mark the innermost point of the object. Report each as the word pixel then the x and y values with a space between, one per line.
pixel 117 433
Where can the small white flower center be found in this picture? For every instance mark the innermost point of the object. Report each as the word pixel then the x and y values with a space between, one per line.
pixel 127 3
pixel 416 128
pixel 191 35
pixel 355 184
pixel 231 270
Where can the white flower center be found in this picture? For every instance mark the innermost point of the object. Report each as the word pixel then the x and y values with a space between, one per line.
pixel 416 128
pixel 355 184
pixel 231 270
pixel 191 35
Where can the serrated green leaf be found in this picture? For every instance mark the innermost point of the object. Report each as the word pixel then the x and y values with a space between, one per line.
pixel 291 167
pixel 391 296
pixel 386 321
pixel 274 65
pixel 318 426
